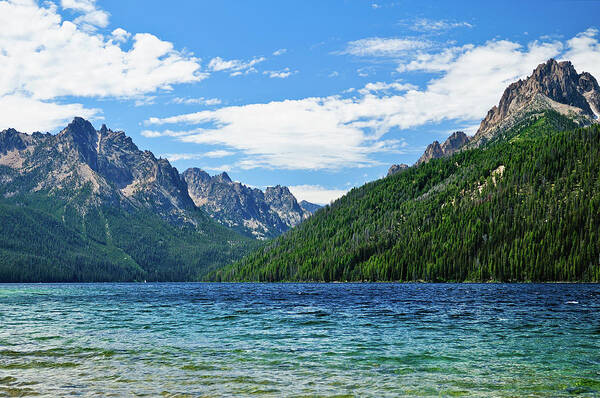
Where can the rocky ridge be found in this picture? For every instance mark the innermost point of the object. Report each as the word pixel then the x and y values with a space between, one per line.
pixel 90 168
pixel 248 210
pixel 553 86
pixel 397 168
pixel 105 164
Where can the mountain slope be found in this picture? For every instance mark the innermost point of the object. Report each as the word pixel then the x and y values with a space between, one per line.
pixel 247 210
pixel 490 213
pixel 117 208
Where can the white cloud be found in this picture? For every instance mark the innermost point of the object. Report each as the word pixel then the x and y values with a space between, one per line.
pixel 316 193
pixel 29 115
pixel 236 67
pixel 335 132
pixel 92 17
pixel 44 58
pixel 281 51
pixel 386 87
pixel 174 157
pixel 429 25
pixel 279 74
pixel 145 100
pixel 120 35
pixel 584 51
pixel 197 101
pixel 313 133
pixel 384 47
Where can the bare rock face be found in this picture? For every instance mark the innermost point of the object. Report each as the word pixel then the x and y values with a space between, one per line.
pixel 309 207
pixel 248 210
pixel 453 144
pixel 98 167
pixel 397 168
pixel 281 200
pixel 553 85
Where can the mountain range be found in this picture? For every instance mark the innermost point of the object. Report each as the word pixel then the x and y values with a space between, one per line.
pixel 112 211
pixel 518 201
pixel 247 210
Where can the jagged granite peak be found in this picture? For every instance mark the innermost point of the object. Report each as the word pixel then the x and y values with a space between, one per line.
pixel 309 207
pixel 11 140
pixel 454 143
pixel 552 86
pixel 108 163
pixel 433 151
pixel 247 210
pixel 397 168
pixel 223 177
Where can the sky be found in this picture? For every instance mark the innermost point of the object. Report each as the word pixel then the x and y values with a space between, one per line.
pixel 320 96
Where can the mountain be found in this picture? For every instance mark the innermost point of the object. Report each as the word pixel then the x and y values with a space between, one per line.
pixel 248 210
pixel 552 86
pixel 519 202
pixel 310 207
pixel 107 211
pixel 397 168
pixel 452 144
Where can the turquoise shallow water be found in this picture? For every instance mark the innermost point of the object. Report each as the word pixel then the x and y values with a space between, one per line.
pixel 299 340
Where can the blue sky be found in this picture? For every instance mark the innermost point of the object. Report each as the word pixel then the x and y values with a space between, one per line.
pixel 317 95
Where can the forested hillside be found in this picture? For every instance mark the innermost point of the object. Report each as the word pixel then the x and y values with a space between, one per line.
pixel 525 207
pixel 45 239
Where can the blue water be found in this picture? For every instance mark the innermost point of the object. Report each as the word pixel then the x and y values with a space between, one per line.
pixel 299 340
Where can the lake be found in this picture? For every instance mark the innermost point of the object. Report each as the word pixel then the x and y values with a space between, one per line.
pixel 186 339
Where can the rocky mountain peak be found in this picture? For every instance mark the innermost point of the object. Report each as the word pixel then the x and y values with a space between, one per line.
pixel 552 85
pixel 433 151
pixel 310 207
pixel 397 168
pixel 223 177
pixel 454 143
pixel 248 210
pixel 106 165
pixel 10 140
pixel 195 174
pixel 80 130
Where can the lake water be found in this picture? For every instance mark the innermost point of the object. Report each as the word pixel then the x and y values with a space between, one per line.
pixel 299 340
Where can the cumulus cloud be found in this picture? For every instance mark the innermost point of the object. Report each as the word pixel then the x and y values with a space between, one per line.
pixel 584 51
pixel 335 132
pixel 92 16
pixel 316 193
pixel 281 51
pixel 120 35
pixel 44 58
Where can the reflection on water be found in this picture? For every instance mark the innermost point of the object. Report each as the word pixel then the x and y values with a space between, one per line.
pixel 299 339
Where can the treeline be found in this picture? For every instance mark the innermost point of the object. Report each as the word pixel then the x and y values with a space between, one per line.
pixel 524 208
